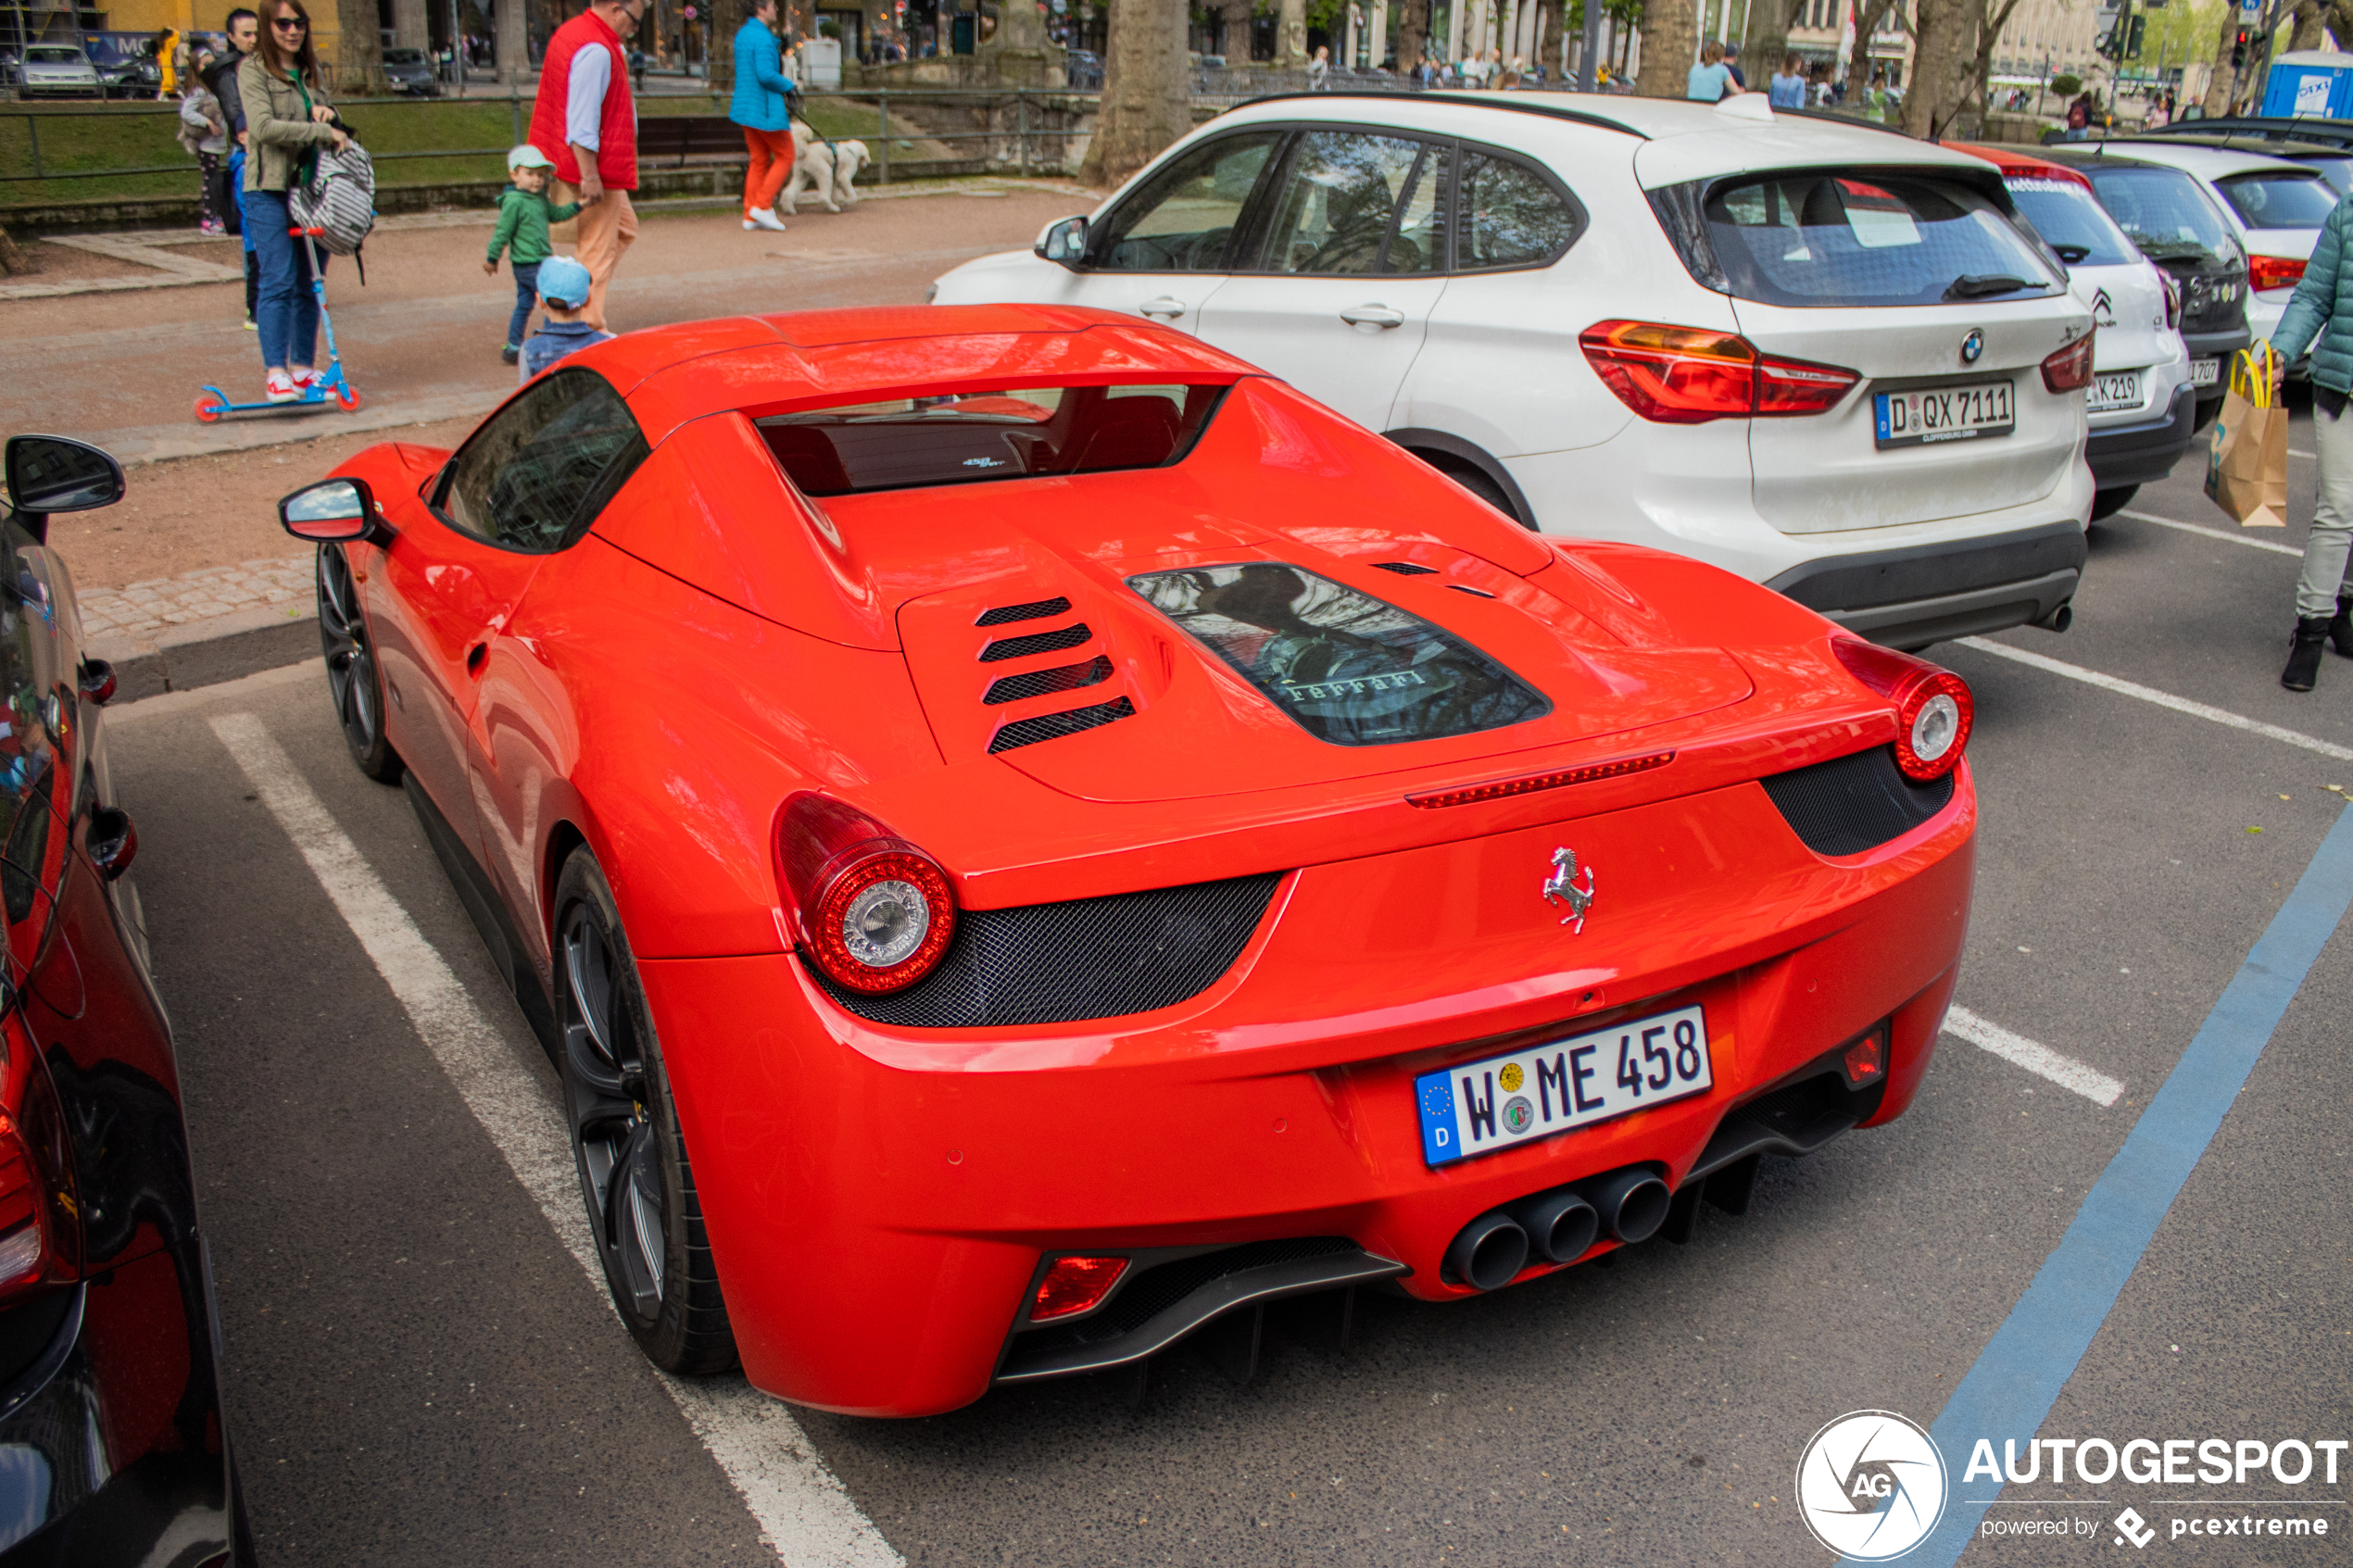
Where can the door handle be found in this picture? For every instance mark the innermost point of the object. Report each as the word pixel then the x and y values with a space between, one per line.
pixel 1164 306
pixel 1373 316
pixel 477 657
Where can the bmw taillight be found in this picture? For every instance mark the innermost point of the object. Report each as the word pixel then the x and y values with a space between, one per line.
pixel 874 911
pixel 2274 272
pixel 1933 709
pixel 2071 368
pixel 1689 375
pixel 40 1223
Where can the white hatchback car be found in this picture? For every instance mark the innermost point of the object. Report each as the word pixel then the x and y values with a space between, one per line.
pixel 1825 357
pixel 2277 207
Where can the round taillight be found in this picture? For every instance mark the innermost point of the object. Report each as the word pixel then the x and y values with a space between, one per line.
pixel 883 922
pixel 1935 725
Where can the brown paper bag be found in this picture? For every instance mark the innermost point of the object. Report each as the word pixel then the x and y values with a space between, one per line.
pixel 2246 461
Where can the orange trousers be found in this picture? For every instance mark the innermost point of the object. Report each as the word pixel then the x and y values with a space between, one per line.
pixel 771 167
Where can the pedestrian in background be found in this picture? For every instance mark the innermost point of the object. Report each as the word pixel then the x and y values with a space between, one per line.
pixel 243 27
pixel 1709 81
pixel 763 109
pixel 1787 90
pixel 287 120
pixel 2320 319
pixel 565 284
pixel 204 131
pixel 586 123
pixel 1733 66
pixel 524 214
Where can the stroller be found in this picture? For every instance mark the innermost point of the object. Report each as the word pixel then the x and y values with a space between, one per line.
pixel 334 210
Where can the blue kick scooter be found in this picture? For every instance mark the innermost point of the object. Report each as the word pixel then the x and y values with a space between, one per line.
pixel 332 387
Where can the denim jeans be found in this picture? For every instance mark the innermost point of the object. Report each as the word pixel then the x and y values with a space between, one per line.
pixel 526 295
pixel 287 313
pixel 2326 546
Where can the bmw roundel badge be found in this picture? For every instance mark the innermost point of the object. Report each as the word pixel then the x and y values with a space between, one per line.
pixel 1972 345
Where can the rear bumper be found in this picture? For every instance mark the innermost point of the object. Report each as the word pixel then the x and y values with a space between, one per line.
pixel 1924 594
pixel 879 1199
pixel 2143 454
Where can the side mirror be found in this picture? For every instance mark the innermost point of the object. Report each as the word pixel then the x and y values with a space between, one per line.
pixel 50 473
pixel 1064 242
pixel 333 511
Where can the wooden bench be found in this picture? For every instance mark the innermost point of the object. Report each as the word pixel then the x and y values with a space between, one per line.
pixel 681 137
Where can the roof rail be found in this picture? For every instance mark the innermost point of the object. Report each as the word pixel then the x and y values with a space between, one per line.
pixel 1550 111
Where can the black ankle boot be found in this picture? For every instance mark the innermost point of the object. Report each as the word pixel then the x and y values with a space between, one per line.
pixel 2341 629
pixel 2303 670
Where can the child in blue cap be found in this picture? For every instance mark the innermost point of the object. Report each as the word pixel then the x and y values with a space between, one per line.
pixel 563 288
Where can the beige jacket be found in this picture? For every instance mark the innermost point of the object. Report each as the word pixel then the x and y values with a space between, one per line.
pixel 277 130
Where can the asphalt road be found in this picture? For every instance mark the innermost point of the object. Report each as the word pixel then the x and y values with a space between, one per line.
pixel 420 1372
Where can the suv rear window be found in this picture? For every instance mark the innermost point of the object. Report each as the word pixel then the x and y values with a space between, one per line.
pixel 2280 200
pixel 2164 212
pixel 1820 237
pixel 1349 668
pixel 1014 433
pixel 2071 219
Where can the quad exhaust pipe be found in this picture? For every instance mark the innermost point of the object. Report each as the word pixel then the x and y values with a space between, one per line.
pixel 1556 1227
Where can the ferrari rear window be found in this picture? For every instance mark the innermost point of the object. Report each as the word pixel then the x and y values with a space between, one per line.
pixel 1015 434
pixel 1348 668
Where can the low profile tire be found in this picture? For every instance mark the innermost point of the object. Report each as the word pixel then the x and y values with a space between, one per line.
pixel 354 679
pixel 634 1177
pixel 2107 503
pixel 1475 481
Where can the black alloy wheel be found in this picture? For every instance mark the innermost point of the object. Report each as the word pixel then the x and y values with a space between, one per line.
pixel 354 681
pixel 634 1177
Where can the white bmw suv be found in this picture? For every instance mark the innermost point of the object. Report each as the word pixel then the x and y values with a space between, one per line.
pixel 1825 357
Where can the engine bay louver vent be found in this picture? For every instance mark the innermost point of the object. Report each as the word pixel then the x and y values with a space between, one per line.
pixel 1037 682
pixel 1051 726
pixel 1037 610
pixel 1404 568
pixel 1037 641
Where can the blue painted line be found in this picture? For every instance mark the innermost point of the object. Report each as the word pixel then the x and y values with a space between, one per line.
pixel 2018 1376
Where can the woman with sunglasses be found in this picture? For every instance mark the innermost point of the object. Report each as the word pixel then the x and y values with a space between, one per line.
pixel 287 120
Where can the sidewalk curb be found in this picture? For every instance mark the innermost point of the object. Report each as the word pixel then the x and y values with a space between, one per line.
pixel 204 653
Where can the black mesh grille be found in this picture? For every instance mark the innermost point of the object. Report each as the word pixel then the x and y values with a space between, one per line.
pixel 1037 641
pixel 1405 567
pixel 1048 726
pixel 1855 803
pixel 1037 682
pixel 1037 609
pixel 1160 1288
pixel 1085 957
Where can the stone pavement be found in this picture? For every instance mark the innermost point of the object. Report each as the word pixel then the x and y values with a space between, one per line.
pixel 143 610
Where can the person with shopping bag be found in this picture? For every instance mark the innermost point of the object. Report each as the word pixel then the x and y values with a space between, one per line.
pixel 2320 317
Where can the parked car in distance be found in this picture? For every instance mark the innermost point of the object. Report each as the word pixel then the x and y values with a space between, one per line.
pixel 1844 372
pixel 110 1407
pixel 1083 70
pixel 2176 223
pixel 2332 162
pixel 57 70
pixel 2142 407
pixel 411 71
pixel 126 63
pixel 2276 209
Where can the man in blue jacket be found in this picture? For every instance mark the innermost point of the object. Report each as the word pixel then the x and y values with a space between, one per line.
pixel 2320 317
pixel 763 111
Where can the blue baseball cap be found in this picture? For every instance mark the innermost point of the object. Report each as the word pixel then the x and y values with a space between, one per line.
pixel 564 281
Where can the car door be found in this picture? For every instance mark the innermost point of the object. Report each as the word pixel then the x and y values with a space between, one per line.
pixel 1348 263
pixel 1166 248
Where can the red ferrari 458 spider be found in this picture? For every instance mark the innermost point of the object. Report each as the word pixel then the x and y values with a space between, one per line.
pixel 1025 836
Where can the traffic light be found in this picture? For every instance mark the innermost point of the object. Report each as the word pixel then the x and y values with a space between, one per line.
pixel 2238 48
pixel 2133 38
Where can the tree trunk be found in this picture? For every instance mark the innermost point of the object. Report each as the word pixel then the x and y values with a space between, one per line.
pixel 1291 35
pixel 411 30
pixel 1147 102
pixel 2223 84
pixel 547 16
pixel 2309 22
pixel 512 24
pixel 13 260
pixel 1413 34
pixel 1943 64
pixel 723 18
pixel 358 64
pixel 1237 16
pixel 1767 40
pixel 1670 30
pixel 1989 38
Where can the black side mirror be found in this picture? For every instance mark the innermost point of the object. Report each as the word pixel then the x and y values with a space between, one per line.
pixel 52 473
pixel 333 511
pixel 1064 242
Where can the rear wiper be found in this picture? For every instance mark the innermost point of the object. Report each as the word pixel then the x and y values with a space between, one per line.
pixel 1978 286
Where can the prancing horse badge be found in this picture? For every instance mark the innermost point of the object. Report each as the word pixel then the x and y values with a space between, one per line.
pixel 1561 888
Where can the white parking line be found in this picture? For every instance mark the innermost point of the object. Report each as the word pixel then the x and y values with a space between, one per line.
pixel 2221 533
pixel 802 1509
pixel 2066 1072
pixel 2163 699
pixel 2294 453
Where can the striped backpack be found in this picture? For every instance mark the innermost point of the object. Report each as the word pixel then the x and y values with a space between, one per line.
pixel 339 200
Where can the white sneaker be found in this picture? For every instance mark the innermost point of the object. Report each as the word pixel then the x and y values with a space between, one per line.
pixel 304 376
pixel 279 387
pixel 749 225
pixel 763 217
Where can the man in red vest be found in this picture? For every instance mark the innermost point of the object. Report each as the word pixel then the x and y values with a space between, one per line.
pixel 586 123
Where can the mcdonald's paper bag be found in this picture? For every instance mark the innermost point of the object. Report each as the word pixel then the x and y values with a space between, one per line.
pixel 2247 462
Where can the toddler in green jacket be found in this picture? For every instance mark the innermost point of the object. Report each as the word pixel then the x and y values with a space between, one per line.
pixel 524 214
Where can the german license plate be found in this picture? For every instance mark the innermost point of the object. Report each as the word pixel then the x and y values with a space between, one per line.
pixel 2118 389
pixel 2207 372
pixel 1944 413
pixel 1545 1090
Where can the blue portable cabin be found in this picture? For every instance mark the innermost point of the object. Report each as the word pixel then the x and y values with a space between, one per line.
pixel 2308 83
